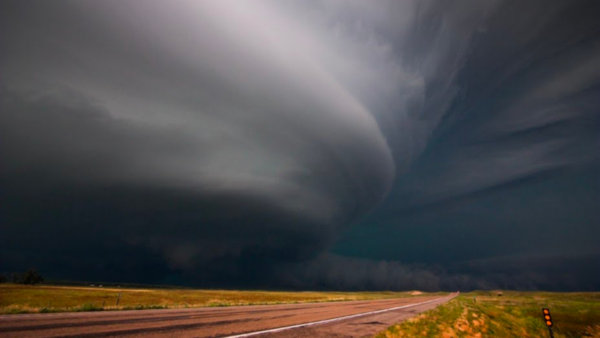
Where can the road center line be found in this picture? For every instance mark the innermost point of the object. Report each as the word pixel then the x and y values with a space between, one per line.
pixel 283 328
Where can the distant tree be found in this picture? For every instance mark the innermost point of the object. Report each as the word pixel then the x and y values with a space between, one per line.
pixel 32 276
pixel 17 277
pixel 3 279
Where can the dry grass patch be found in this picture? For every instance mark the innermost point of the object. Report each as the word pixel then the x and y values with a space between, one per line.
pixel 41 298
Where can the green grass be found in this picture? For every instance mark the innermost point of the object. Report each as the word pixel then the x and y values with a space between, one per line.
pixel 43 298
pixel 514 314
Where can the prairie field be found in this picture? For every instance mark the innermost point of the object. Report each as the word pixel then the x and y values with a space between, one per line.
pixel 513 314
pixel 42 298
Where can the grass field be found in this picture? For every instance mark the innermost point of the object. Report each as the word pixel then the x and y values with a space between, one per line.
pixel 42 298
pixel 514 314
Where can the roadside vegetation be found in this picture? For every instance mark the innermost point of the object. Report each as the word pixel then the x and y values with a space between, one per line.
pixel 16 298
pixel 506 314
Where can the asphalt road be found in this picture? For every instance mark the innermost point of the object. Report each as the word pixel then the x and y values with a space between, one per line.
pixel 223 322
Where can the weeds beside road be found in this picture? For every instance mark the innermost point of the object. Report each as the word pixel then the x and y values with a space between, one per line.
pixel 514 314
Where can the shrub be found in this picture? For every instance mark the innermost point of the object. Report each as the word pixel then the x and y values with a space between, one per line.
pixel 32 276
pixel 89 307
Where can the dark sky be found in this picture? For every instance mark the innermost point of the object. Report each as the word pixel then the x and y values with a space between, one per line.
pixel 311 145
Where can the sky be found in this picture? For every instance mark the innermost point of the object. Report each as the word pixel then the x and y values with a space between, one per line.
pixel 326 144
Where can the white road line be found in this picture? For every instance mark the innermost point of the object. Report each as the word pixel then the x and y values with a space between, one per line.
pixel 249 334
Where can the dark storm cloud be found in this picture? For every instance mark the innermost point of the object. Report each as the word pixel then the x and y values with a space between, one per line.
pixel 228 144
pixel 95 185
pixel 559 272
pixel 213 154
pixel 345 273
pixel 526 102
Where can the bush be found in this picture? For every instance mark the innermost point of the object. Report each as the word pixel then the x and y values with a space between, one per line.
pixel 32 276
pixel 88 307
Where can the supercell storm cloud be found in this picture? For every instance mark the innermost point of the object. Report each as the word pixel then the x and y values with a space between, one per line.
pixel 324 144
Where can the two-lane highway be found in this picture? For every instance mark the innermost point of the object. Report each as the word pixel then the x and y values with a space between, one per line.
pixel 336 319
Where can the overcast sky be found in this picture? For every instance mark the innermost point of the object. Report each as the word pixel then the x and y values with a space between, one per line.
pixel 320 144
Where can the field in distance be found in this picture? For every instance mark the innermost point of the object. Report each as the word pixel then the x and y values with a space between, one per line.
pixel 512 314
pixel 15 298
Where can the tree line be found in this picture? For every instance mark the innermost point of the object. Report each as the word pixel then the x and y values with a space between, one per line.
pixel 30 277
